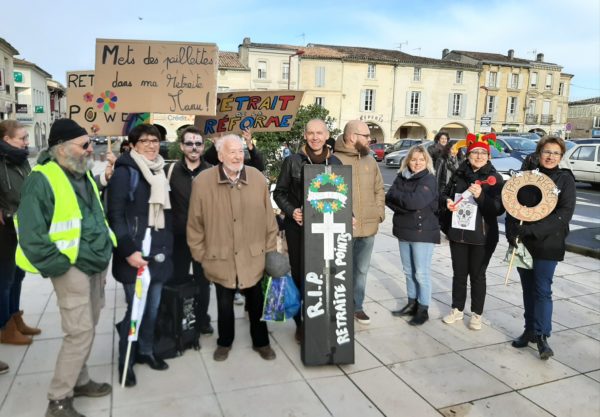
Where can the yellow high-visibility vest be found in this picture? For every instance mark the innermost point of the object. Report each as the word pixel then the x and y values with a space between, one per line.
pixel 65 227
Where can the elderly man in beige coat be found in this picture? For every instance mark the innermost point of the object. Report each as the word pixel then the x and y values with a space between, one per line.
pixel 368 204
pixel 231 226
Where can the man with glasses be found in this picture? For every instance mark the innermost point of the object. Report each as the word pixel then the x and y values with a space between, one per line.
pixel 180 175
pixel 63 234
pixel 368 204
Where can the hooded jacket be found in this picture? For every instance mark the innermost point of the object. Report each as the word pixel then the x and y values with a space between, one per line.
pixel 368 195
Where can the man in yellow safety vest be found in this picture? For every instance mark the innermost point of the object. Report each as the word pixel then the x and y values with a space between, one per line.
pixel 63 235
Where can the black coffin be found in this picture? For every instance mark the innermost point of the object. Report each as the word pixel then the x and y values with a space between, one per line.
pixel 328 308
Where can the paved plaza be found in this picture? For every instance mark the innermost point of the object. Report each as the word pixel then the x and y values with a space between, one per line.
pixel 400 370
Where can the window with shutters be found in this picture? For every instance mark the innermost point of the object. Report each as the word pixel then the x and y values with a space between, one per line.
pixel 548 81
pixel 415 103
pixel 533 80
pixel 493 80
pixel 368 103
pixel 514 81
pixel 285 71
pixel 320 101
pixel 457 103
pixel 319 76
pixel 511 106
pixel 262 70
pixel 459 77
pixel 490 106
pixel 561 89
pixel 596 124
pixel 371 71
pixel 417 74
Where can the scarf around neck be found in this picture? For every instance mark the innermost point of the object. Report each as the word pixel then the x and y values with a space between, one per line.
pixel 12 154
pixel 314 158
pixel 159 187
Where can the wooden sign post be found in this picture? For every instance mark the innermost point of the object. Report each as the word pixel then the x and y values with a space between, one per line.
pixel 328 308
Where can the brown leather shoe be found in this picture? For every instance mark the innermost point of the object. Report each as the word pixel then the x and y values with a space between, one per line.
pixel 221 353
pixel 12 336
pixel 23 328
pixel 265 352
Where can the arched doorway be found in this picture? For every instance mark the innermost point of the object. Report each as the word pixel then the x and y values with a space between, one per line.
pixel 376 132
pixel 411 130
pixel 455 130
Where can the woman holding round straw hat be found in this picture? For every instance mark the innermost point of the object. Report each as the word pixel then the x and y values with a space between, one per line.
pixel 545 240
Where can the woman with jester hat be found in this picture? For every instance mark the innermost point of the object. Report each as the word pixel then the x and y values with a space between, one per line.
pixel 471 225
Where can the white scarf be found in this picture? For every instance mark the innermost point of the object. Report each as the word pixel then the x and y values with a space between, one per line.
pixel 159 187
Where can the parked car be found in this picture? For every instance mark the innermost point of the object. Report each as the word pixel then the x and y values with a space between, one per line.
pixel 394 159
pixel 584 161
pixel 516 146
pixel 528 135
pixel 379 149
pixel 403 144
pixel 100 140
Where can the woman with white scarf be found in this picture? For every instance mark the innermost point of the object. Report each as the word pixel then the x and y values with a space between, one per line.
pixel 138 199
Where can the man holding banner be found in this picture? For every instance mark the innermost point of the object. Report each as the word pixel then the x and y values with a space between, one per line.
pixel 63 234
pixel 368 204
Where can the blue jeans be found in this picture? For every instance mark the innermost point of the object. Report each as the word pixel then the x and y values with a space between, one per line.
pixel 362 248
pixel 537 296
pixel 146 334
pixel 416 263
pixel 11 277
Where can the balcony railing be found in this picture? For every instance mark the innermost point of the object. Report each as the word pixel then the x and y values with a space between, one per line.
pixel 546 119
pixel 531 119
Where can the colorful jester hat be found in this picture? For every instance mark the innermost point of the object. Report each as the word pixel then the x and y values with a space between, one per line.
pixel 478 141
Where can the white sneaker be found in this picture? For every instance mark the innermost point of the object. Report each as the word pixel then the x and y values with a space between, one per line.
pixel 475 322
pixel 455 315
pixel 238 299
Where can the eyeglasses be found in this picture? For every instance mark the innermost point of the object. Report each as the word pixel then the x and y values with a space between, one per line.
pixel 84 145
pixel 193 144
pixel 148 142
pixel 364 135
pixel 478 153
pixel 552 154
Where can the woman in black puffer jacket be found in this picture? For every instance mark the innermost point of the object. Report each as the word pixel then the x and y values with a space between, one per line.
pixel 545 241
pixel 471 250
pixel 413 198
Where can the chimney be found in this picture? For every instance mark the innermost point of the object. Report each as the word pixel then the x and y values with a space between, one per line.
pixel 540 58
pixel 445 52
pixel 511 53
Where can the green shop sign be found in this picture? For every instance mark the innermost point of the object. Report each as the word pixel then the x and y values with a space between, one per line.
pixel 39 109
pixel 18 77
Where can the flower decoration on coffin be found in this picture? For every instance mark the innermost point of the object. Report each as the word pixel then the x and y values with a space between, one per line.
pixel 88 97
pixel 328 193
pixel 107 101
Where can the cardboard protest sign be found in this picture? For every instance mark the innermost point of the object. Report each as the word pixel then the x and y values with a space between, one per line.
pixel 328 309
pixel 259 111
pixel 81 104
pixel 156 77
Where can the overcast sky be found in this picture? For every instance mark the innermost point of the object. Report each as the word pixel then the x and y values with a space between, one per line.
pixel 60 35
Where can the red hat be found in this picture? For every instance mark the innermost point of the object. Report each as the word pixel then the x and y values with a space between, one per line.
pixel 480 141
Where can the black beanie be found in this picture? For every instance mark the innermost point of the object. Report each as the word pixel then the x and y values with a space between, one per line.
pixel 63 130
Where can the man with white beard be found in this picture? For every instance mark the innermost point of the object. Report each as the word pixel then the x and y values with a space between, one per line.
pixel 180 175
pixel 63 234
pixel 231 226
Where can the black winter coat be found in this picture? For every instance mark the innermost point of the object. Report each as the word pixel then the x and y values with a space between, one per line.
pixel 414 201
pixel 129 220
pixel 489 204
pixel 289 190
pixel 181 190
pixel 545 239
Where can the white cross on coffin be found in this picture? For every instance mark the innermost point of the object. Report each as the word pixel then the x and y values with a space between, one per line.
pixel 329 229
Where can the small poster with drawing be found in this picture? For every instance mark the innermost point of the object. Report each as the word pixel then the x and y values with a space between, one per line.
pixel 464 218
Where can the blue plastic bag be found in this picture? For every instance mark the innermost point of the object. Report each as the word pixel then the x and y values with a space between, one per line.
pixel 282 299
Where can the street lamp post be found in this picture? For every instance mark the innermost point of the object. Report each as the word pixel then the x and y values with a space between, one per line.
pixel 298 53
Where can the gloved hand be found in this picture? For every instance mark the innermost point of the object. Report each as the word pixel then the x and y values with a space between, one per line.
pixel 523 230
